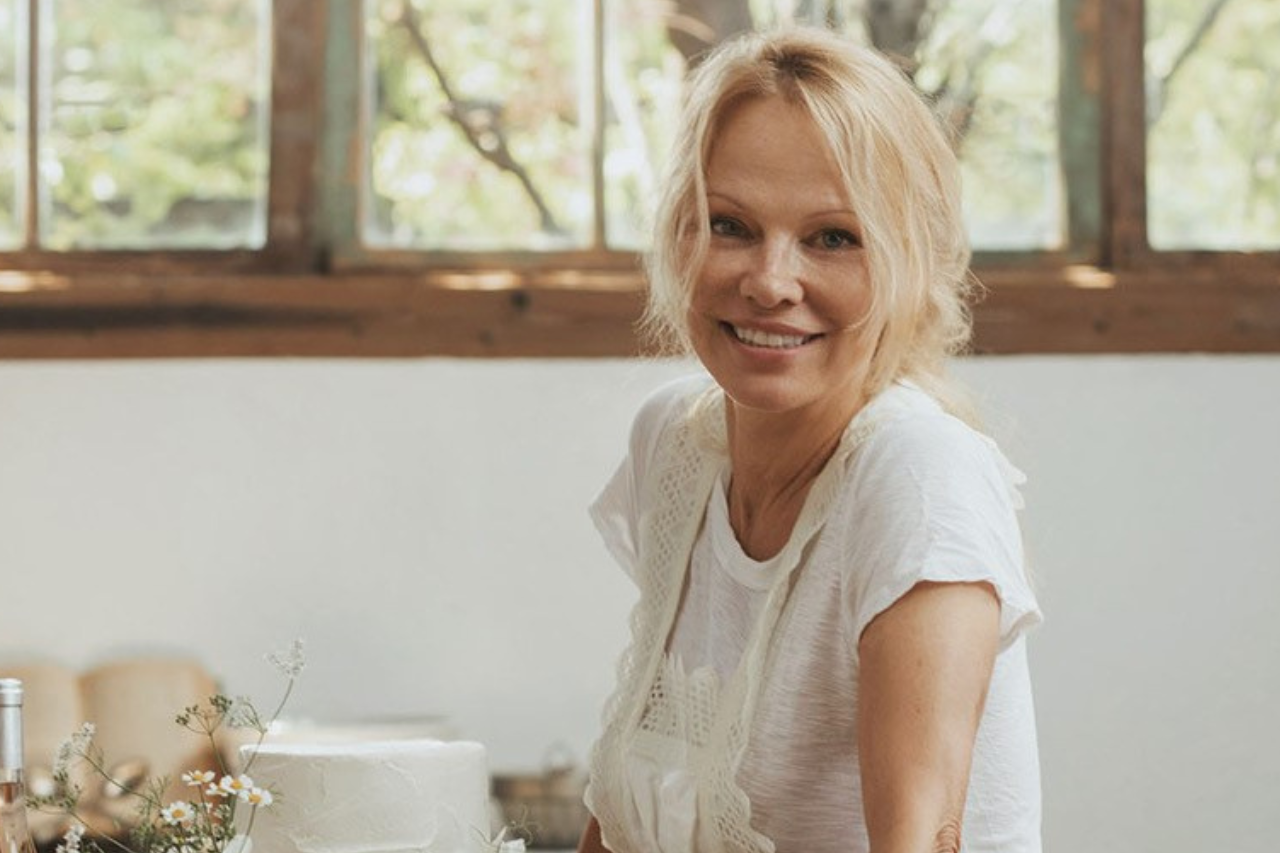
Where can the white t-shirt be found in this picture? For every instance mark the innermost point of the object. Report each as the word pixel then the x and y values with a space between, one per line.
pixel 923 498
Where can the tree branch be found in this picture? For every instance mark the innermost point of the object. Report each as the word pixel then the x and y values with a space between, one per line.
pixel 1263 142
pixel 955 101
pixel 479 121
pixel 1155 103
pixel 898 27
pixel 694 26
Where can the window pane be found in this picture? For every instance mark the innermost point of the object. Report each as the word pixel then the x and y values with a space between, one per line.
pixel 155 128
pixel 1213 118
pixel 480 136
pixel 643 74
pixel 13 122
pixel 991 66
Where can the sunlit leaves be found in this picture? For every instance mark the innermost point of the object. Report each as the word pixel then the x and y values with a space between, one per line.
pixel 1213 165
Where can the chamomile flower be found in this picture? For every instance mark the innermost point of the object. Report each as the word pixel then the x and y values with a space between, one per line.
pixel 73 748
pixel 233 786
pixel 290 663
pixel 71 841
pixel 177 812
pixel 196 778
pixel 242 715
pixel 256 797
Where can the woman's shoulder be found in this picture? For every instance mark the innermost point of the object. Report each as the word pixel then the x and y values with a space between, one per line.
pixel 906 418
pixel 671 401
pixel 909 434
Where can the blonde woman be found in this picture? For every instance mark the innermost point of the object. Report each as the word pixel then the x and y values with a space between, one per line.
pixel 828 651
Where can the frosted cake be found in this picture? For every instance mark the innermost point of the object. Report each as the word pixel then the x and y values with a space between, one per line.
pixel 413 796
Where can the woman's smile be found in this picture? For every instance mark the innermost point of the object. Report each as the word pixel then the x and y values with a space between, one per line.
pixel 771 340
pixel 779 304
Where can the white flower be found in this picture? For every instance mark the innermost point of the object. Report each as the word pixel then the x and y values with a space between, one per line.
pixel 72 748
pixel 233 787
pixel 71 841
pixel 501 844
pixel 196 778
pixel 214 791
pixel 242 714
pixel 290 663
pixel 177 812
pixel 63 757
pixel 256 797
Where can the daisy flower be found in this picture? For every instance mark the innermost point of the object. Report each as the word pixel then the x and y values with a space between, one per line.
pixel 176 812
pixel 256 797
pixel 234 786
pixel 196 778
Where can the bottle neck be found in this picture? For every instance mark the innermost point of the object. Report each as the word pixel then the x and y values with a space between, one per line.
pixel 11 743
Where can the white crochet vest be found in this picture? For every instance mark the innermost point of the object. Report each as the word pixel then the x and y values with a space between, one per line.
pixel 654 699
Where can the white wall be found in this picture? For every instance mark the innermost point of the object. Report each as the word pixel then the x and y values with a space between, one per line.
pixel 421 524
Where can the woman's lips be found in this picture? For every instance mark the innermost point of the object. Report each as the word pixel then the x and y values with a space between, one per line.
pixel 769 339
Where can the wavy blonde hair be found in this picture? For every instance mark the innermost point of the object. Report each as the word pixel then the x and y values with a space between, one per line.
pixel 900 173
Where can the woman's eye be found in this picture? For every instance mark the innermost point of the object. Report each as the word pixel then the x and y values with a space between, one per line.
pixel 836 238
pixel 726 227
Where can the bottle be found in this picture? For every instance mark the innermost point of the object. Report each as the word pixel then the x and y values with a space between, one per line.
pixel 14 835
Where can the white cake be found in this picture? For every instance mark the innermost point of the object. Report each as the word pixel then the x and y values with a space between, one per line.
pixel 411 796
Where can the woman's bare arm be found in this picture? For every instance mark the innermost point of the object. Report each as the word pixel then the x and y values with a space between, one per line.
pixel 591 842
pixel 925 664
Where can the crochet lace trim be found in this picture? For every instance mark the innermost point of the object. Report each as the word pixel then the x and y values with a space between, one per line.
pixel 653 694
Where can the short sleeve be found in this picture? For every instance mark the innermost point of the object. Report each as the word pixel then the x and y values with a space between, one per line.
pixel 932 499
pixel 617 508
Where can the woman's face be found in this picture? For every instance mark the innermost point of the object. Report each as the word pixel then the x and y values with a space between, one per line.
pixel 776 307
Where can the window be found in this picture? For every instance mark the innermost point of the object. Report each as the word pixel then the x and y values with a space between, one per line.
pixel 119 147
pixel 469 177
pixel 1213 112
pixel 483 124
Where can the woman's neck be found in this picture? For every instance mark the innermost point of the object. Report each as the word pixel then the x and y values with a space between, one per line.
pixel 774 460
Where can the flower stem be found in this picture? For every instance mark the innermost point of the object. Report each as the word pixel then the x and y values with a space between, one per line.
pixel 75 815
pixel 101 770
pixel 262 733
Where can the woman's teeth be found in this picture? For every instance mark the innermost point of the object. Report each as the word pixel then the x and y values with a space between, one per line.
pixel 766 339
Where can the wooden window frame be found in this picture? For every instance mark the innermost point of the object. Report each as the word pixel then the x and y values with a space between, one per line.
pixel 311 292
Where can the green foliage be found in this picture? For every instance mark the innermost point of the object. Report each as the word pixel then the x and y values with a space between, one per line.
pixel 1213 170
pixel 994 64
pixel 434 188
pixel 156 123
pixel 155 133
pixel 12 142
pixel 517 78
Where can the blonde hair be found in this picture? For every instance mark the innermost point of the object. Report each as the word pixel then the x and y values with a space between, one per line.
pixel 900 174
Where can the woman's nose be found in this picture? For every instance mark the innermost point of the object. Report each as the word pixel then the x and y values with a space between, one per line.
pixel 773 278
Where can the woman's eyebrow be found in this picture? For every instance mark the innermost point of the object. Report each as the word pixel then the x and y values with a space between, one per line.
pixel 713 195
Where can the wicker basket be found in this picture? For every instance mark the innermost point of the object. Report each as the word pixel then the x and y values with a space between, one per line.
pixel 546 809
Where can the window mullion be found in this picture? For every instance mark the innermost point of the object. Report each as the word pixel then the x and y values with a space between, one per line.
pixel 1124 107
pixel 1080 125
pixel 344 123
pixel 599 236
pixel 296 78
pixel 31 190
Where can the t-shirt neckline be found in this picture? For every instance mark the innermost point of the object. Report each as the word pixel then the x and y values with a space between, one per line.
pixel 753 574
